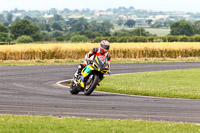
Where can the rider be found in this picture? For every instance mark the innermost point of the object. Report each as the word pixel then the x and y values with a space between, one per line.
pixel 100 51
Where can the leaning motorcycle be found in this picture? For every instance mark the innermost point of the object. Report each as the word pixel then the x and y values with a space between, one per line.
pixel 100 67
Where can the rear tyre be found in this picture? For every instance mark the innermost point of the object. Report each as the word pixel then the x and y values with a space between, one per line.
pixel 73 89
pixel 92 86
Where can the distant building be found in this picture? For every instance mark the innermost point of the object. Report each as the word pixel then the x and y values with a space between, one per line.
pixel 17 14
pixel 79 16
pixel 150 17
pixel 122 17
pixel 132 17
pixel 161 16
pixel 103 13
pixel 167 16
pixel 184 16
pixel 48 16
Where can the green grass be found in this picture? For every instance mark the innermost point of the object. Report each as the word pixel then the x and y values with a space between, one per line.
pixel 157 60
pixel 36 63
pixel 36 124
pixel 157 31
pixel 71 62
pixel 173 84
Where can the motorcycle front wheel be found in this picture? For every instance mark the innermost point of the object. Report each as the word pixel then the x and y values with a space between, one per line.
pixel 91 84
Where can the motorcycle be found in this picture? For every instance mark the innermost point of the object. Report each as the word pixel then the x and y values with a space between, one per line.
pixel 100 67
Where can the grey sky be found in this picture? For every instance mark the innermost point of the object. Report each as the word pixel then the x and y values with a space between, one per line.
pixel 156 5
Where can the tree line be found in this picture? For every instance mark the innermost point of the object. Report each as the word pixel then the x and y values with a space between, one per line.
pixel 80 30
pixel 117 15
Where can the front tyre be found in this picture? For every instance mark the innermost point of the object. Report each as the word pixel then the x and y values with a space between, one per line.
pixel 73 89
pixel 91 85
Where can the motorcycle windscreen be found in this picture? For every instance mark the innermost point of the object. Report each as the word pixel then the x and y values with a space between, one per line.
pixel 103 59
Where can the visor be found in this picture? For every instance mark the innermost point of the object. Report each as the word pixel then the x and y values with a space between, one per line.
pixel 106 47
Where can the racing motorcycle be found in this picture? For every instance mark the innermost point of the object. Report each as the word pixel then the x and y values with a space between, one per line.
pixel 100 66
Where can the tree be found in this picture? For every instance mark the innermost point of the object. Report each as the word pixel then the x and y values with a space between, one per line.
pixel 139 32
pixel 122 33
pixel 94 26
pixel 82 19
pixel 55 34
pixel 57 17
pixel 104 33
pixel 196 26
pixel 2 18
pixel 46 36
pixel 28 18
pixel 79 38
pixel 32 20
pixel 53 11
pixel 149 21
pixel 79 26
pixel 168 23
pixel 17 19
pixel 107 26
pixel 24 39
pixel 89 34
pixel 120 22
pixel 129 33
pixel 6 24
pixel 23 27
pixel 42 26
pixel 157 25
pixel 48 27
pixel 182 28
pixel 3 36
pixel 60 38
pixel 71 21
pixel 9 18
pixel 3 28
pixel 56 26
pixel 130 23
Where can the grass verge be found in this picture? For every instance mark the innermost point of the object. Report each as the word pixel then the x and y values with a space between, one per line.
pixel 37 124
pixel 72 61
pixel 38 62
pixel 172 84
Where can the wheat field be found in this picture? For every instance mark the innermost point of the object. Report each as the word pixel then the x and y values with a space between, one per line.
pixel 117 50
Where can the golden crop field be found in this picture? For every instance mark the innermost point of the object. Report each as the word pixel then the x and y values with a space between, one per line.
pixel 118 50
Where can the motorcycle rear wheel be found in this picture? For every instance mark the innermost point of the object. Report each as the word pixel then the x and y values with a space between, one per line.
pixel 73 89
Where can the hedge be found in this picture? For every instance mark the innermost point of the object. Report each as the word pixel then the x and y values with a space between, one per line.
pixel 168 38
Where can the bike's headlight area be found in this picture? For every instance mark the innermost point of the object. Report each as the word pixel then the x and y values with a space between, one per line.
pixel 95 65
pixel 104 71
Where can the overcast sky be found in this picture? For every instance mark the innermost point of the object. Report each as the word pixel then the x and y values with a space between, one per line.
pixel 156 5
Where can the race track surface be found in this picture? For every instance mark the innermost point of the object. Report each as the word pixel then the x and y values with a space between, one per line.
pixel 32 90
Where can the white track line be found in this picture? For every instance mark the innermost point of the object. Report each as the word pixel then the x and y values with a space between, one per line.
pixel 59 83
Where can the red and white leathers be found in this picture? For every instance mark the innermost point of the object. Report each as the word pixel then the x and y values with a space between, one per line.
pixel 97 52
pixel 101 51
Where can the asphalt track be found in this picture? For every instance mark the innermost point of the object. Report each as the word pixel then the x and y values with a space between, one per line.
pixel 32 90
